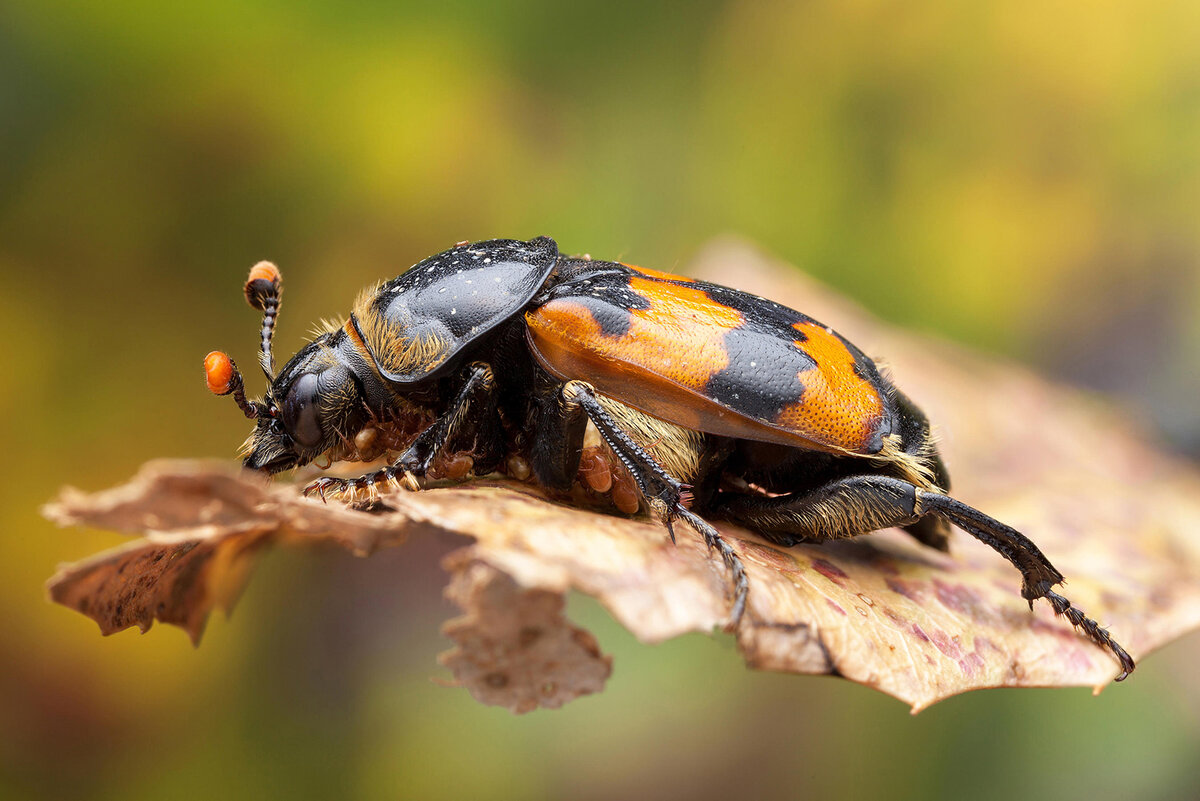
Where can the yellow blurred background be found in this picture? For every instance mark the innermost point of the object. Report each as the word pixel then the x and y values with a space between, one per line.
pixel 1020 176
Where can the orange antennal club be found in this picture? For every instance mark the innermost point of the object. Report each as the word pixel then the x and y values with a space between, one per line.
pixel 224 378
pixel 264 291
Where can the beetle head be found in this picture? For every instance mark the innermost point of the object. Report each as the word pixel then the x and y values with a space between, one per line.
pixel 312 405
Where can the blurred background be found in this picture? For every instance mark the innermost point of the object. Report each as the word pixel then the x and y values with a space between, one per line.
pixel 1023 177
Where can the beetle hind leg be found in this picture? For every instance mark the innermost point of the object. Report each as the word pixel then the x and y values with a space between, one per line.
pixel 665 493
pixel 851 506
pixel 1036 583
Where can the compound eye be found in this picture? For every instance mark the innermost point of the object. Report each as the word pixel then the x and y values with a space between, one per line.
pixel 300 411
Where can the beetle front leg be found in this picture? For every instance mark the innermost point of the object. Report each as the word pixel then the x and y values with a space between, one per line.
pixel 851 506
pixel 664 492
pixel 474 405
pixel 397 478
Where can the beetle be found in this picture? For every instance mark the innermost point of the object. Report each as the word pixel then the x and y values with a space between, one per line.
pixel 639 386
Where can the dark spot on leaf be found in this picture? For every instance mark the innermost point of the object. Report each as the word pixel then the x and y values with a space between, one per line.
pixel 983 643
pixel 971 663
pixel 909 589
pixel 771 557
pixel 829 570
pixel 961 599
pixel 944 643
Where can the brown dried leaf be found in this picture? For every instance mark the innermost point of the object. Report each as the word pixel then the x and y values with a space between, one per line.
pixel 204 523
pixel 516 649
pixel 1118 517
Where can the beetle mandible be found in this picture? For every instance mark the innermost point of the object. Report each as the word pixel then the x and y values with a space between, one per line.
pixel 509 356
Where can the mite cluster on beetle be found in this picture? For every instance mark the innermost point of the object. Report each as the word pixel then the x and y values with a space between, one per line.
pixel 630 384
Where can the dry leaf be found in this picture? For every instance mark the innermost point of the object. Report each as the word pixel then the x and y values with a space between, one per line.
pixel 516 649
pixel 1118 517
pixel 204 524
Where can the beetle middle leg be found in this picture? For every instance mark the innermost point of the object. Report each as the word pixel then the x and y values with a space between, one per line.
pixel 576 399
pixel 471 411
pixel 855 505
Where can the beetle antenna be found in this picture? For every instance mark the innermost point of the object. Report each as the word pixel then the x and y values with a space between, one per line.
pixel 264 291
pixel 224 378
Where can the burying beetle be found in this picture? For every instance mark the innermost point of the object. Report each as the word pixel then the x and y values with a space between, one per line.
pixel 497 355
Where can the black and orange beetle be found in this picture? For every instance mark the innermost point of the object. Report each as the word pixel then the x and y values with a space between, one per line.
pixel 509 356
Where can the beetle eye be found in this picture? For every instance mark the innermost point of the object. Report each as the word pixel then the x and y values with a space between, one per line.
pixel 300 411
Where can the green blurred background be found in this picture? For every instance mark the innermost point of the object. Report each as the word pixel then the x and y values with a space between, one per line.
pixel 1020 176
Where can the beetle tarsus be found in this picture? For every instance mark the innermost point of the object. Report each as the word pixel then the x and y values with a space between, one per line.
pixel 370 482
pixel 325 484
pixel 1093 630
pixel 669 522
pixel 741 583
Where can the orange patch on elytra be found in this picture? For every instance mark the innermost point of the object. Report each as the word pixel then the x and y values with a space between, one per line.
pixel 666 298
pixel 655 333
pixel 838 405
pixel 666 359
pixel 659 274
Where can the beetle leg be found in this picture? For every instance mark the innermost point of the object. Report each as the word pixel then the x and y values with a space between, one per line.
pixel 327 484
pixel 477 390
pixel 997 535
pixel 851 506
pixel 659 487
pixel 369 482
